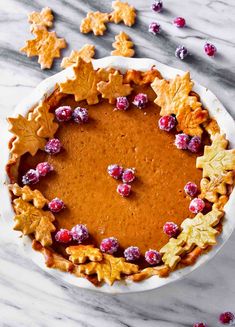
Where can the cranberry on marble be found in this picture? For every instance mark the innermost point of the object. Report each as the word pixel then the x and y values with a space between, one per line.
pixel 179 22
pixel 157 6
pixel 154 28
pixel 227 318
pixel 181 52
pixel 210 49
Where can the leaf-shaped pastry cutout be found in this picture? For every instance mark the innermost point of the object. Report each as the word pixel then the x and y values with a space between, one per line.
pixel 46 120
pixel 87 52
pixel 172 252
pixel 82 253
pixel 94 22
pixel 123 46
pixel 122 12
pixel 43 18
pixel 189 121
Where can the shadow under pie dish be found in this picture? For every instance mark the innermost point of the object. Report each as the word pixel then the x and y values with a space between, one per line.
pixel 131 138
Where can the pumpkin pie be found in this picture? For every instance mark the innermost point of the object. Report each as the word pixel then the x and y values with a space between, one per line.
pixel 119 175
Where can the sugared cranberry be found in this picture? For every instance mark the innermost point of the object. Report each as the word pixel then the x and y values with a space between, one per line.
pixel 196 205
pixel 157 6
pixel 80 233
pixel 200 324
pixel 80 115
pixel 53 146
pixel 63 113
pixel 128 175
pixel 43 168
pixel 195 144
pixel 227 318
pixel 182 141
pixel 181 52
pixel 210 49
pixel 115 171
pixel 122 103
pixel 153 257
pixel 124 189
pixel 171 229
pixel 132 253
pixel 154 28
pixel 140 100
pixel 179 22
pixel 56 205
pixel 109 245
pixel 63 236
pixel 31 177
pixel 167 123
pixel 191 189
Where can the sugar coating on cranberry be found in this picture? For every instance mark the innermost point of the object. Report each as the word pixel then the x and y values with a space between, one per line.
pixel 154 28
pixel 31 177
pixel 140 100
pixel 181 52
pixel 56 205
pixel 124 189
pixel 53 146
pixel 128 175
pixel 171 229
pixel 182 141
pixel 200 324
pixel 196 205
pixel 109 245
pixel 210 49
pixel 43 168
pixel 115 171
pixel 195 144
pixel 122 103
pixel 191 189
pixel 63 113
pixel 63 236
pixel 80 233
pixel 153 257
pixel 132 253
pixel 167 123
pixel 80 115
pixel 227 318
pixel 157 6
pixel 179 22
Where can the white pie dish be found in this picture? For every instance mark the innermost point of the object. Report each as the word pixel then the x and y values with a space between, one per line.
pixel 45 88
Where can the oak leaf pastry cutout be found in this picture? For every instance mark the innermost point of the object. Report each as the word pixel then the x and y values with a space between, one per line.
pixel 82 253
pixel 31 220
pixel 43 18
pixel 45 45
pixel 45 119
pixel 87 52
pixel 140 78
pixel 161 271
pixel 123 46
pixel 28 195
pixel 216 160
pixel 103 73
pixel 94 22
pixel 173 96
pixel 122 12
pixel 109 269
pixel 114 87
pixel 172 251
pixel 84 83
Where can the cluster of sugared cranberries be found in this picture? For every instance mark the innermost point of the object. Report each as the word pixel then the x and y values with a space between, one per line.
pixel 109 245
pixel 196 205
pixel 157 6
pixel 171 229
pixel 225 318
pixel 181 52
pixel 191 189
pixel 140 100
pixel 179 22
pixel 153 257
pixel 65 113
pixel 78 233
pixel 167 123
pixel 184 142
pixel 122 103
pixel 127 175
pixel 132 253
pixel 56 205
pixel 33 175
pixel 53 146
pixel 154 28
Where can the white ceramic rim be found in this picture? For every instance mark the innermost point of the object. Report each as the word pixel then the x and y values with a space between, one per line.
pixel 44 89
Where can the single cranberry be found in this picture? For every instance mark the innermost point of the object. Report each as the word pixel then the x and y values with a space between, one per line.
pixel 43 168
pixel 191 189
pixel 181 52
pixel 153 257
pixel 63 113
pixel 167 123
pixel 122 103
pixel 157 6
pixel 200 324
pixel 210 49
pixel 31 177
pixel 80 233
pixel 53 146
pixel 109 245
pixel 227 318
pixel 128 175
pixel 80 115
pixel 140 100
pixel 171 229
pixel 63 236
pixel 181 141
pixel 115 171
pixel 154 28
pixel 179 22
pixel 195 144
pixel 196 205
pixel 124 189
pixel 56 205
pixel 132 253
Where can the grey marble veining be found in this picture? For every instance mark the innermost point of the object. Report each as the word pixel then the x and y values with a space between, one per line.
pixel 28 296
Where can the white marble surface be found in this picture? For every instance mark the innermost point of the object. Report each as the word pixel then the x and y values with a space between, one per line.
pixel 30 297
